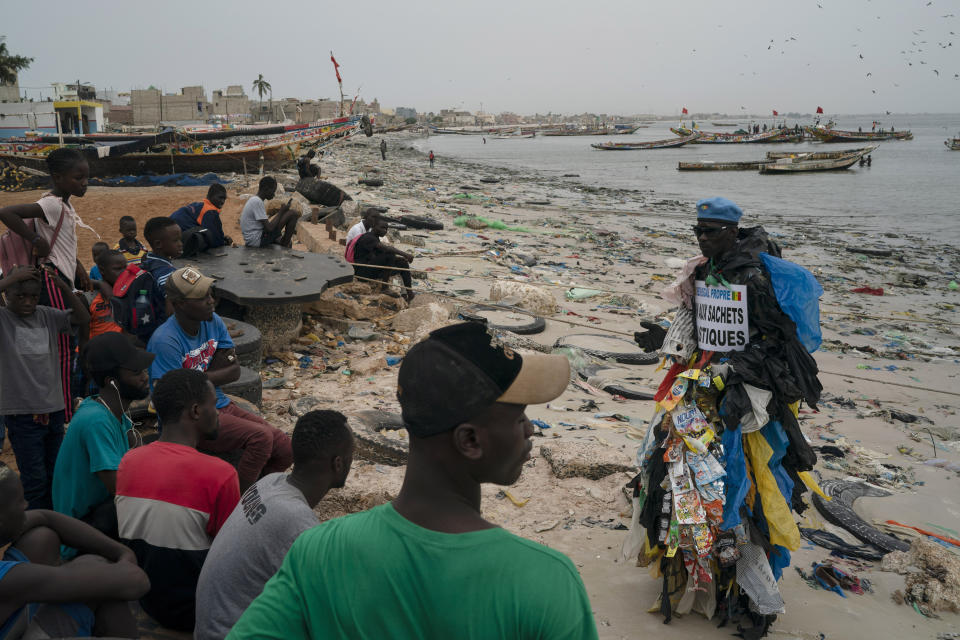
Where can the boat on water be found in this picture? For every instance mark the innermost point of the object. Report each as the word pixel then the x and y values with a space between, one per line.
pixel 819 155
pixel 714 137
pixel 653 144
pixel 953 144
pixel 516 135
pixel 618 130
pixel 799 164
pixel 186 155
pixel 724 124
pixel 826 133
pixel 710 165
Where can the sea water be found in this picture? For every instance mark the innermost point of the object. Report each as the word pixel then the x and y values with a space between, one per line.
pixel 912 186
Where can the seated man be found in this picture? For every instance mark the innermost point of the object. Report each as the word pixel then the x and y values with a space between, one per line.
pixel 367 218
pixel 369 253
pixel 196 338
pixel 428 564
pixel 304 166
pixel 42 598
pixel 85 476
pixel 172 499
pixel 205 214
pixel 261 230
pixel 270 516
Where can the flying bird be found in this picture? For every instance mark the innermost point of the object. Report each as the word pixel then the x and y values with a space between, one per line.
pixel 869 74
pixel 936 72
pixel 861 56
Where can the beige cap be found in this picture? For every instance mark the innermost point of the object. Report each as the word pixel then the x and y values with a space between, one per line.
pixel 190 283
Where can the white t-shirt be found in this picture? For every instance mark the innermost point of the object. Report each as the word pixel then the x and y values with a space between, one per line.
pixel 355 231
pixel 252 217
pixel 63 254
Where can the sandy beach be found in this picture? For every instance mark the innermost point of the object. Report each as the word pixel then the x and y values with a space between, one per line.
pixel 888 365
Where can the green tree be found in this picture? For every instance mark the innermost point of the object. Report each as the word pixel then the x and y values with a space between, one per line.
pixel 411 121
pixel 261 86
pixel 11 65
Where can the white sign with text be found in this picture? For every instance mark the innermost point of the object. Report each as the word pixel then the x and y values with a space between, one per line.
pixel 722 323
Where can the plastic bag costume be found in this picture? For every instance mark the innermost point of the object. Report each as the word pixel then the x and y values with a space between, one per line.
pixel 724 463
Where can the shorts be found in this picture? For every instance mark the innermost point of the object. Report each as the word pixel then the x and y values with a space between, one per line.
pixel 40 621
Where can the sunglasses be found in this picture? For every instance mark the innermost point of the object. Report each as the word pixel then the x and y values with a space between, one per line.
pixel 708 231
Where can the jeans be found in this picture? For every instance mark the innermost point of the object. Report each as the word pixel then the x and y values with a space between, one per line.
pixel 265 448
pixel 35 446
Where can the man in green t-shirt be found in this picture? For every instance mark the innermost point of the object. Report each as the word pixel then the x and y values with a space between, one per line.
pixel 428 565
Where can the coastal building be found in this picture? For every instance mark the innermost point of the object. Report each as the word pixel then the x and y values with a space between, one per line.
pixel 10 92
pixel 151 107
pixel 232 104
pixel 75 116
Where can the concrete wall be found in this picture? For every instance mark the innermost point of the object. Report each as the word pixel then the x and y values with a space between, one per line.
pixel 10 92
pixel 16 118
pixel 149 107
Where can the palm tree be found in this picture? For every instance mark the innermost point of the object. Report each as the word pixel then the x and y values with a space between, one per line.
pixel 10 65
pixel 261 86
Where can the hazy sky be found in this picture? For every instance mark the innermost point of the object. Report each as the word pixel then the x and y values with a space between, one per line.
pixel 526 56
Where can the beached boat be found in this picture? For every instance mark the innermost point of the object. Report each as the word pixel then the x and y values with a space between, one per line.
pixel 189 156
pixel 953 144
pixel 826 133
pixel 819 155
pixel 797 165
pixel 710 165
pixel 653 144
pixel 714 137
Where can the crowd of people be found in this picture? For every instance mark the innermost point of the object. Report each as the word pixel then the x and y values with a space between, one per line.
pixel 201 522
pixel 208 527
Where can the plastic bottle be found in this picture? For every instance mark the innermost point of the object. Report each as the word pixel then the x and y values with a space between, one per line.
pixel 142 310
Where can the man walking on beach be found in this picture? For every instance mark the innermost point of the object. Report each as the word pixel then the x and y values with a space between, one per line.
pixel 364 575
pixel 431 156
pixel 383 149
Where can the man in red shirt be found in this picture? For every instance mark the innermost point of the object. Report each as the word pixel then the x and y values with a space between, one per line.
pixel 172 499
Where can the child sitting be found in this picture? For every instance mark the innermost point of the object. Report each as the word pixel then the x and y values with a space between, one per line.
pixel 136 306
pixel 131 248
pixel 96 250
pixel 111 264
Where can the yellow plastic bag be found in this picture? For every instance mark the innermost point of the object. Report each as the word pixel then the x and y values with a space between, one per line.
pixel 783 529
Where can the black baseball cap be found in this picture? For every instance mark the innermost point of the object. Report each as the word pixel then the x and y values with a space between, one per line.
pixel 108 351
pixel 458 371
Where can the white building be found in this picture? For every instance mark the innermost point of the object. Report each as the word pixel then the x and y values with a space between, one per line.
pixel 76 116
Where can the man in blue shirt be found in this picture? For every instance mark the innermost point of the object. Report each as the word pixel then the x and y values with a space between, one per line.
pixel 196 338
pixel 85 475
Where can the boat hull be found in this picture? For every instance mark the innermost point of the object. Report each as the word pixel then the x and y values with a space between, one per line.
pixel 638 146
pixel 802 166
pixel 835 135
pixel 722 166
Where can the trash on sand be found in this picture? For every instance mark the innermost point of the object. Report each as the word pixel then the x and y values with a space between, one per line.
pixel 932 577
pixel 511 498
pixel 580 293
pixel 874 292
pixel 828 577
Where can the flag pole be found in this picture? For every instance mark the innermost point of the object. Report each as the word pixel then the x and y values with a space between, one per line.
pixel 336 69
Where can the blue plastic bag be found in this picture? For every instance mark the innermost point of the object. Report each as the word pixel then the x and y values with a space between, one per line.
pixel 798 294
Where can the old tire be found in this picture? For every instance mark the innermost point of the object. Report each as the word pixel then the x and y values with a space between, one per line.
pixel 248 386
pixel 534 326
pixel 421 222
pixel 617 356
pixel 249 346
pixel 371 182
pixel 373 445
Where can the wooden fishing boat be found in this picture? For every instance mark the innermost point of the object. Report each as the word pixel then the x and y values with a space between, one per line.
pixel 714 137
pixel 710 165
pixel 602 131
pixel 797 165
pixel 819 155
pixel 724 124
pixel 828 134
pixel 189 156
pixel 653 144
pixel 953 144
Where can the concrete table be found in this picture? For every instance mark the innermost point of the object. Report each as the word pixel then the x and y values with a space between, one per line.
pixel 271 284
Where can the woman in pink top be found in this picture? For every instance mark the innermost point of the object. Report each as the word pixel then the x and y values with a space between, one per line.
pixel 55 242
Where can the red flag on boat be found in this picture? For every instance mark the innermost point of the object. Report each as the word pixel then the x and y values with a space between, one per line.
pixel 775 112
pixel 336 67
pixel 819 109
pixel 684 112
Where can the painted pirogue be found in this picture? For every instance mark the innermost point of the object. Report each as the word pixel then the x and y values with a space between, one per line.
pixel 185 155
pixel 713 137
pixel 828 134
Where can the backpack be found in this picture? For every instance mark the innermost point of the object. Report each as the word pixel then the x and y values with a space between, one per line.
pixel 350 253
pixel 138 322
pixel 15 251
pixel 798 294
pixel 195 239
